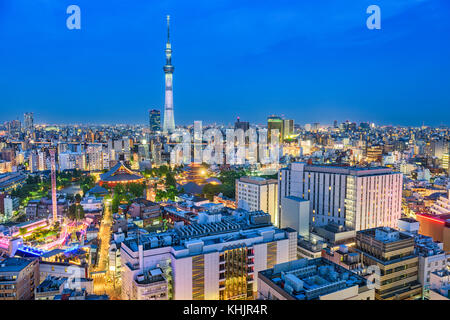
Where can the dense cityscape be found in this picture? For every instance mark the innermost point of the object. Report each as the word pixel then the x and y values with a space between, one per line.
pixel 342 211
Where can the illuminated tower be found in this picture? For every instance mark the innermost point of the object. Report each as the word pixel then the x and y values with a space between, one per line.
pixel 53 177
pixel 169 120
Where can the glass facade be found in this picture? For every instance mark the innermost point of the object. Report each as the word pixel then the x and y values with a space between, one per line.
pixel 198 277
pixel 236 264
pixel 271 254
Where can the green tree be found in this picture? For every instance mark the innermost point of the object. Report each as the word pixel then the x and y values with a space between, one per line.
pixel 76 212
pixel 136 189
pixel 209 190
pixel 170 180
pixel 169 194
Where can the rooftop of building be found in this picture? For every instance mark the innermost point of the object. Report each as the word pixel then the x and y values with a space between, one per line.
pixel 438 218
pixel 98 190
pixel 342 250
pixel 385 234
pixel 349 170
pixel 225 228
pixel 71 294
pixel 309 279
pixel 51 283
pixel 192 197
pixel 145 202
pixel 192 187
pixel 120 173
pixel 426 246
pixel 442 273
pixel 311 245
pixel 409 220
pixel 150 276
pixel 257 180
pixel 52 253
pixel 14 264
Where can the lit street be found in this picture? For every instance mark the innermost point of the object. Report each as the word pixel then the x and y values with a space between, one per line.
pixel 101 285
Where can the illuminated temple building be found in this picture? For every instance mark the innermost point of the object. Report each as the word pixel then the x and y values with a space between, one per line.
pixel 120 174
pixel 195 173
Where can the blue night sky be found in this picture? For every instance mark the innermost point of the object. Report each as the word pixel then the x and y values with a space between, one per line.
pixel 311 61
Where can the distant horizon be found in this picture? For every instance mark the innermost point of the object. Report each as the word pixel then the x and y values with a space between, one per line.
pixel 37 123
pixel 307 61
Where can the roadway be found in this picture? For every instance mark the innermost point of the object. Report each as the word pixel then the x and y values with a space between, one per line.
pixel 101 285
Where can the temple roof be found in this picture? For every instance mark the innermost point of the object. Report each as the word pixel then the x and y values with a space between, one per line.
pixel 120 173
pixel 98 189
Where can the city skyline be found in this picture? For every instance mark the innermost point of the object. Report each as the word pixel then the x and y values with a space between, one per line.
pixel 307 158
pixel 337 70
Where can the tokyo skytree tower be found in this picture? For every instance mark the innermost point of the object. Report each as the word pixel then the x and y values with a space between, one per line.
pixel 169 120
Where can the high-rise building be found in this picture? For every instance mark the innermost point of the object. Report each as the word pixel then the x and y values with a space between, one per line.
pixel 156 151
pixel 274 123
pixel 29 122
pixel 439 148
pixel 169 119
pixel 259 194
pixel 446 162
pixel 288 128
pixel 393 253
pixel 198 139
pixel 244 125
pixel 14 127
pixel 315 127
pixel 155 120
pixel 358 198
pixel 72 160
pixel 94 157
pixel 120 149
pixel 217 259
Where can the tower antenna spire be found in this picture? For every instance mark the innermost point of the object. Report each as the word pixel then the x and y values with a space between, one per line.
pixel 168 28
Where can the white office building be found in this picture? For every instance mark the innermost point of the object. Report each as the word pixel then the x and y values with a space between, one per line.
pixel 71 160
pixel 359 198
pixel 259 194
pixel 432 257
pixel 207 261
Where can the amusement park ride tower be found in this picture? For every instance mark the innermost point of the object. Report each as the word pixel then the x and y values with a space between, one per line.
pixel 52 151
